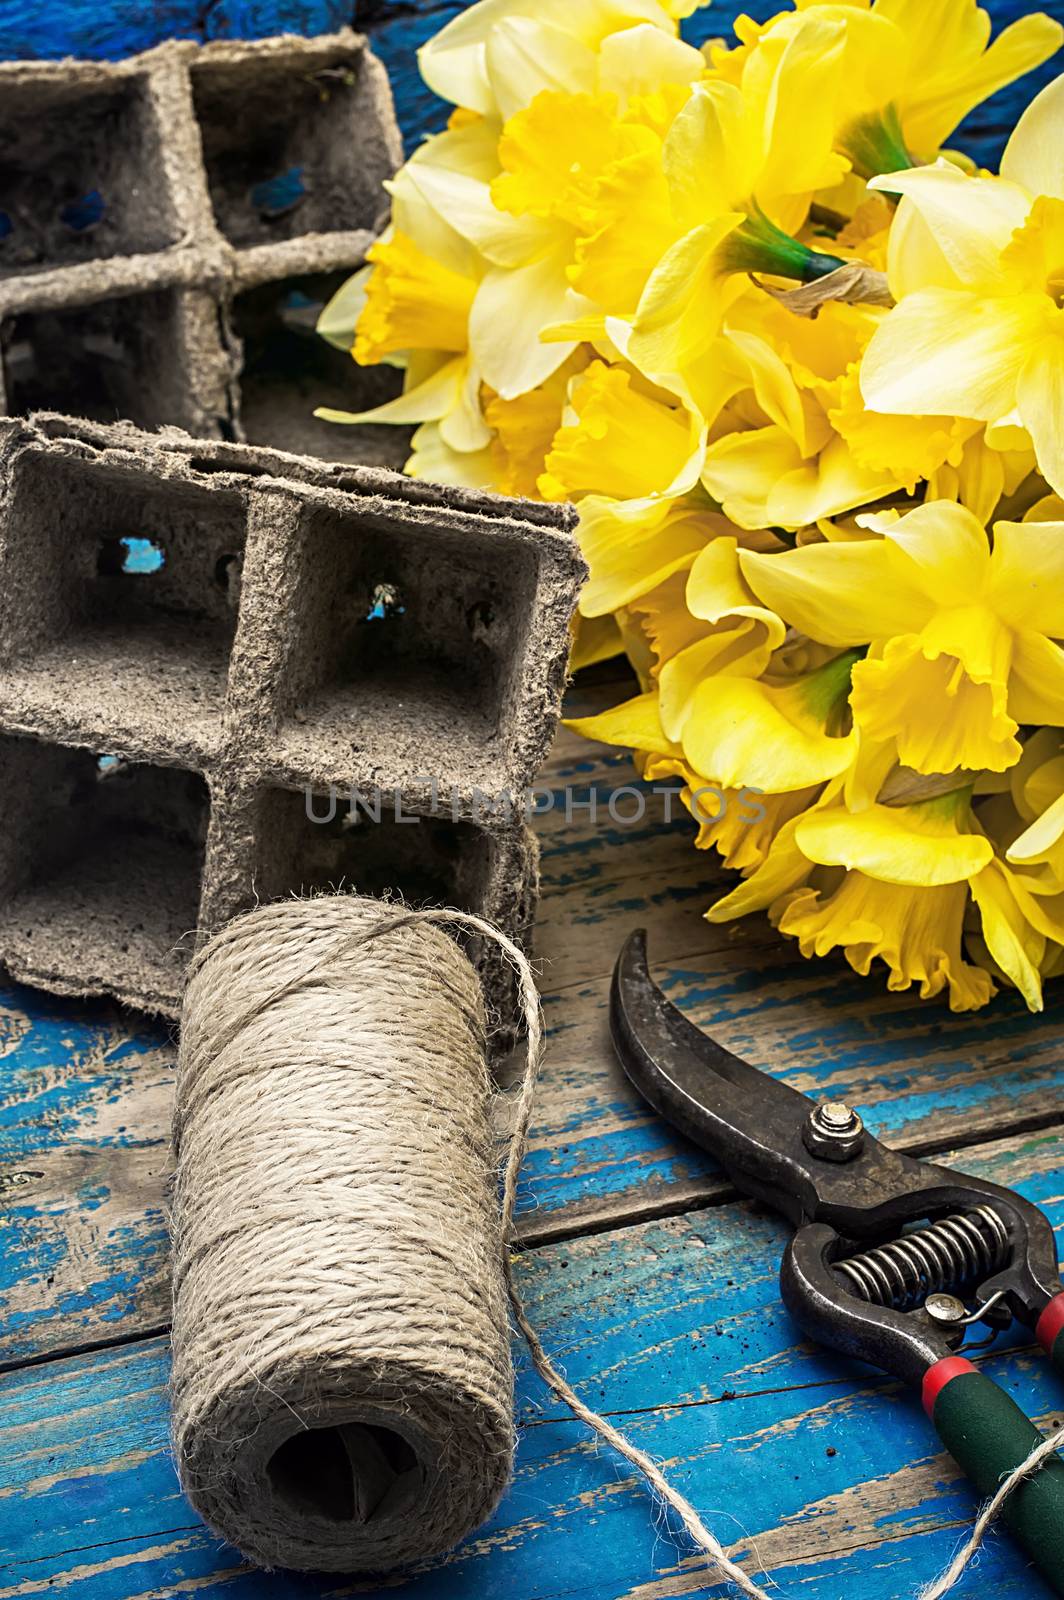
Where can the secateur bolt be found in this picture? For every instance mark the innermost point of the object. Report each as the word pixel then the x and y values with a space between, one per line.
pixel 833 1131
pixel 946 1309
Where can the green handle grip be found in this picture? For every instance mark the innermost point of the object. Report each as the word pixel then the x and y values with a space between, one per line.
pixel 986 1432
pixel 1050 1331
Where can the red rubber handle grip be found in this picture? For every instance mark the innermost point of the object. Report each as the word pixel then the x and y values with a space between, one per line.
pixel 1050 1331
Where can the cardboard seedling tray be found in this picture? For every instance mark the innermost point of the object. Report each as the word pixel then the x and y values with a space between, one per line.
pixel 169 225
pixel 197 635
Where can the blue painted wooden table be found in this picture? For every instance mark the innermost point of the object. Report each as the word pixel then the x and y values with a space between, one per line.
pixel 652 1284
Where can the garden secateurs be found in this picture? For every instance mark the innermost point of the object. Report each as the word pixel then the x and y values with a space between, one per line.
pixel 893 1260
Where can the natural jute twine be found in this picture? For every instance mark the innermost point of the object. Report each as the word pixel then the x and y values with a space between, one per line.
pixel 342 1393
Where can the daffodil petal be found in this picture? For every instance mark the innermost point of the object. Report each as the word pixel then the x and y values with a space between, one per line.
pixel 680 308
pixel 1035 843
pixel 631 548
pixel 1032 155
pixel 463 428
pixel 946 545
pixel 707 160
pixel 797 77
pixel 434 461
pixel 962 86
pixel 825 486
pixel 739 734
pixel 636 724
pixel 337 322
pixel 596 639
pixel 892 844
pixel 741 469
pixel 784 869
pixel 944 352
pixel 466 203
pixel 504 326
pixel 429 401
pixel 1012 942
pixel 1040 398
pixel 715 590
pixel 526 55
pixel 1027 575
pixel 737 651
pixel 639 60
pixel 915 259
pixel 1036 682
pixel 970 219
pixel 839 594
pixel 774 386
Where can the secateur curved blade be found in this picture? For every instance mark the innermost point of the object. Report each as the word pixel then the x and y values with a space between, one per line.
pixel 755 1126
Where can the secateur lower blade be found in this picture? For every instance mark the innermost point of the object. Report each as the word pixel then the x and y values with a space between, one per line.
pixel 894 1258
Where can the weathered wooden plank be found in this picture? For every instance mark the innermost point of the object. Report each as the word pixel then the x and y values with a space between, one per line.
pixel 84 1091
pixel 820 1471
pixel 84 1109
pixel 108 29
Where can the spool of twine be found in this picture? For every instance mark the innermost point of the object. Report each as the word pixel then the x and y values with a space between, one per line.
pixel 342 1391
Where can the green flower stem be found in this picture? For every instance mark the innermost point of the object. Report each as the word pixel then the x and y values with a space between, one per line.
pixel 876 144
pixel 757 245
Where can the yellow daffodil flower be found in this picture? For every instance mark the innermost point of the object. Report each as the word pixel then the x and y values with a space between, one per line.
pixel 902 898
pixel 772 736
pixel 962 635
pixel 977 267
pixel 565 165
pixel 622 441
pixel 632 459
pixel 740 823
pixel 913 70
pixel 556 160
pixel 826 528
pixel 741 162
pixel 495 57
pixel 784 463
pixel 410 307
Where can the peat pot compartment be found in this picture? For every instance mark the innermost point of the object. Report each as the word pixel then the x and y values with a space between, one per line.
pixel 121 359
pixel 289 370
pixel 81 174
pixel 118 603
pixel 405 638
pixel 292 143
pixel 100 868
pixel 318 841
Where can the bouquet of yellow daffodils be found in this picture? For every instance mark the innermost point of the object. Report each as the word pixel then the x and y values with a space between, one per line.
pixel 802 369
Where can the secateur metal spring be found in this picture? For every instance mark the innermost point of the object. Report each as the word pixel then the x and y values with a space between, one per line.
pixel 945 1258
pixel 893 1258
